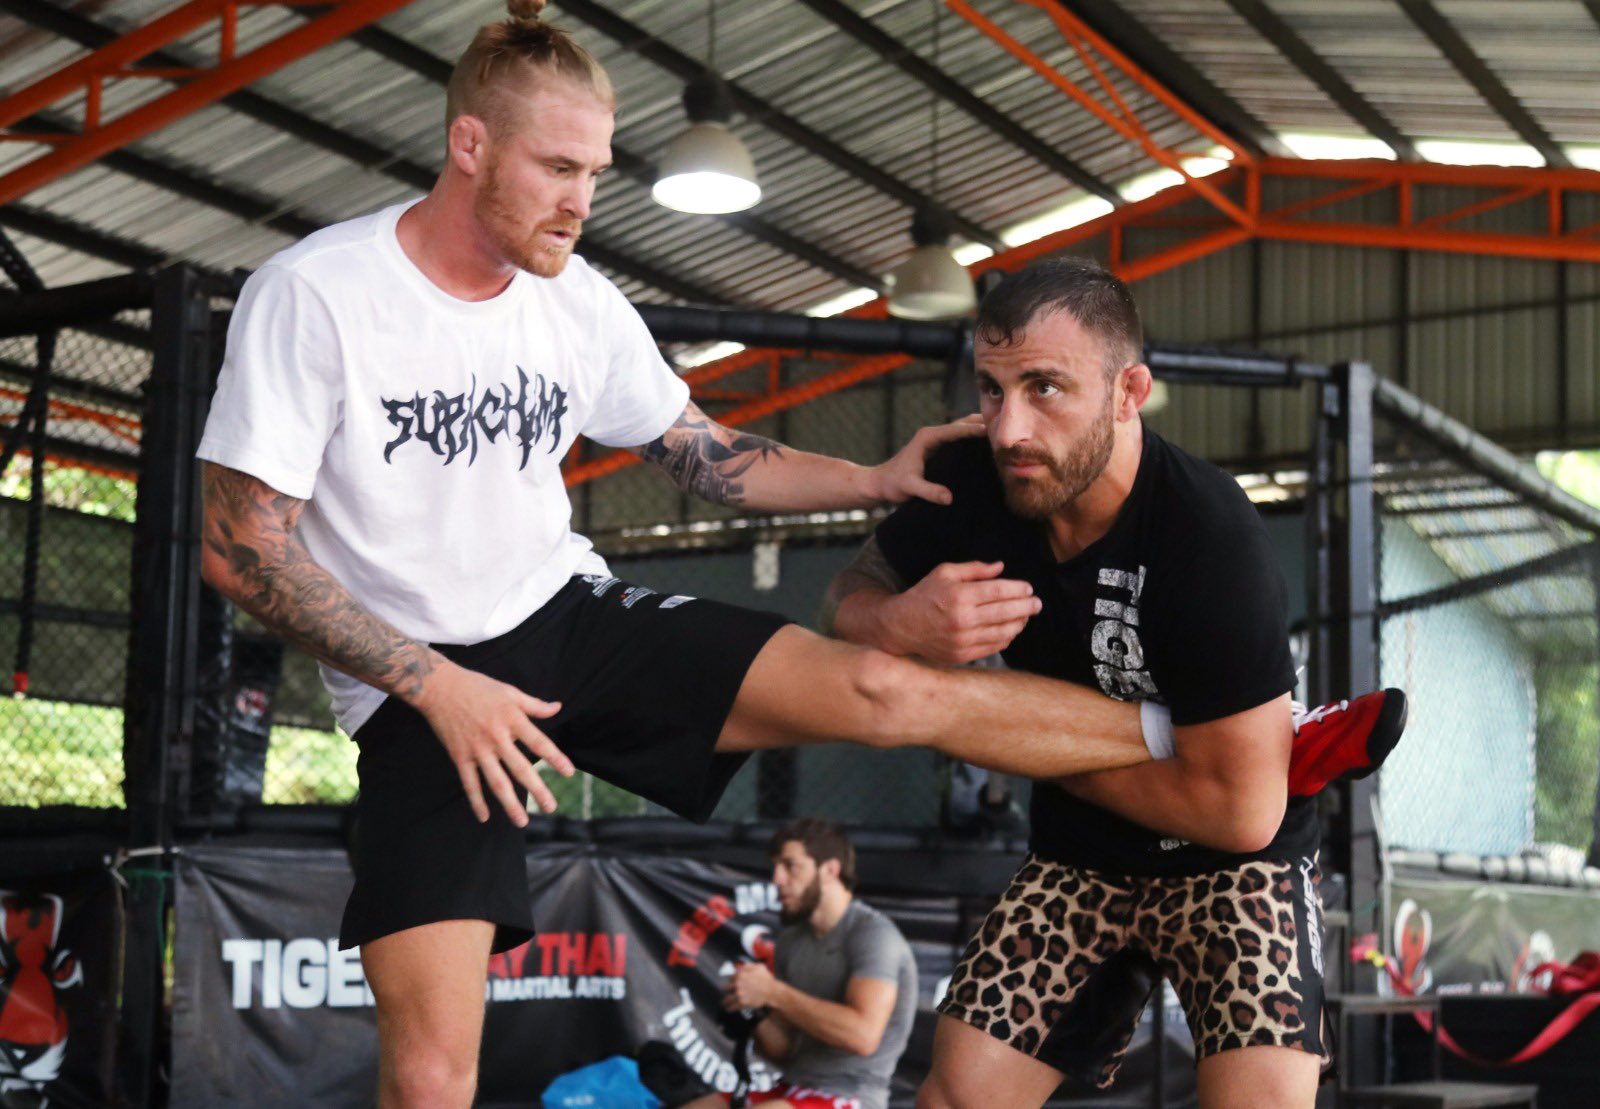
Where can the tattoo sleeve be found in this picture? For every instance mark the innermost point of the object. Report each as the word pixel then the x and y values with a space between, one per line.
pixel 704 458
pixel 250 530
pixel 869 570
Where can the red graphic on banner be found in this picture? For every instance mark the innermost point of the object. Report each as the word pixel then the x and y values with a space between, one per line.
pixel 586 953
pixel 34 968
pixel 694 932
pixel 1413 934
pixel 562 966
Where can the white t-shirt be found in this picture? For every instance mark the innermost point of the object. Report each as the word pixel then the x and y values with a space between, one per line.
pixel 427 432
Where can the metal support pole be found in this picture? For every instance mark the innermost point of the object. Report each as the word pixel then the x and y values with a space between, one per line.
pixel 162 667
pixel 778 770
pixel 1352 657
pixel 1319 544
pixel 1594 843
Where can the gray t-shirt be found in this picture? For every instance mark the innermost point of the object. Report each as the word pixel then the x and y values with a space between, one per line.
pixel 864 944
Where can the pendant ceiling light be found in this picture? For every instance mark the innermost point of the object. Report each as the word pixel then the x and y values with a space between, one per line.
pixel 707 169
pixel 931 284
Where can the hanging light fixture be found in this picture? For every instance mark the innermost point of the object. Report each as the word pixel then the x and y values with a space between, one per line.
pixel 931 284
pixel 707 169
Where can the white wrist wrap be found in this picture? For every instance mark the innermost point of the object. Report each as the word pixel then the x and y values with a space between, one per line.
pixel 1155 721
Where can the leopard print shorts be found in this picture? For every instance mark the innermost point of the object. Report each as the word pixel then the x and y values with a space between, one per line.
pixel 1063 966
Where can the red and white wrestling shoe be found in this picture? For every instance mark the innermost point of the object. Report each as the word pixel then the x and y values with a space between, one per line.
pixel 1344 740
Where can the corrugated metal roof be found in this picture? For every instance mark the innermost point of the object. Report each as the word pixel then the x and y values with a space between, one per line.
pixel 810 70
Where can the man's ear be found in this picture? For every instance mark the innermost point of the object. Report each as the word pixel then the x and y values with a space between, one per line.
pixel 1133 389
pixel 830 869
pixel 468 141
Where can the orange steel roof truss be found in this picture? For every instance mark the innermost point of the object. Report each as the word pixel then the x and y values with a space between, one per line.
pixel 197 87
pixel 1112 88
pixel 1234 195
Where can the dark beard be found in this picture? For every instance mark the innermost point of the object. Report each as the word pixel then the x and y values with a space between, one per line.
pixel 809 900
pixel 1067 478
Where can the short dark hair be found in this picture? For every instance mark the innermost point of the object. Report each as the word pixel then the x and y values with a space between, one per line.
pixel 823 840
pixel 1081 287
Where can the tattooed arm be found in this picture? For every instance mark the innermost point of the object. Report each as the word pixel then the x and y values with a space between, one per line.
pixel 959 613
pixel 253 555
pixel 734 468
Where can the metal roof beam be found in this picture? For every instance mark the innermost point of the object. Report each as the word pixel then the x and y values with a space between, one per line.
pixel 175 178
pixel 1477 73
pixel 79 237
pixel 897 54
pixel 194 85
pixel 425 63
pixel 1272 27
pixel 768 115
pixel 88 33
pixel 1159 60
pixel 369 155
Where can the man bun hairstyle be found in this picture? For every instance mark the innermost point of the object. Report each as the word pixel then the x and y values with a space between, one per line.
pixel 513 56
pixel 823 840
pixel 1091 294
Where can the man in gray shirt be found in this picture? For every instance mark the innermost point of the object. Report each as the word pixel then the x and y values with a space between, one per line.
pixel 840 1007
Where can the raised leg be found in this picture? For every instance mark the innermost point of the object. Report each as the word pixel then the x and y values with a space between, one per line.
pixel 803 688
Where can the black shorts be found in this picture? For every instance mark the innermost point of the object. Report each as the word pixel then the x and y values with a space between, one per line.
pixel 645 682
pixel 1063 966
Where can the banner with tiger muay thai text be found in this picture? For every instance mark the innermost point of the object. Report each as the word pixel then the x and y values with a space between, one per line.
pixel 267 1011
pixel 632 946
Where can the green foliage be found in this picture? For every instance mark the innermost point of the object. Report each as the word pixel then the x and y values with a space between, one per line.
pixel 59 754
pixel 306 766
pixel 1568 752
pixel 93 494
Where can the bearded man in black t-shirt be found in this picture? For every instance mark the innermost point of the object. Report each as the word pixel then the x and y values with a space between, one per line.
pixel 1081 545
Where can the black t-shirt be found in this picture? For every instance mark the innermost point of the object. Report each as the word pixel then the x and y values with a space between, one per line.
pixel 1181 602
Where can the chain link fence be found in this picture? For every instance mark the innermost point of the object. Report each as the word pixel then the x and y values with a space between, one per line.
pixel 1488 599
pixel 70 452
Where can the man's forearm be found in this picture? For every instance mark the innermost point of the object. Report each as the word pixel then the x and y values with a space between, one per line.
pixel 854 611
pixel 731 467
pixel 304 604
pixel 1171 796
pixel 826 1021
pixel 256 559
pixel 772 1038
pixel 795 481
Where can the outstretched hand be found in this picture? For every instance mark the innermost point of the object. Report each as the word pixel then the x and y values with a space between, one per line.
pixel 485 725
pixel 901 477
pixel 960 612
